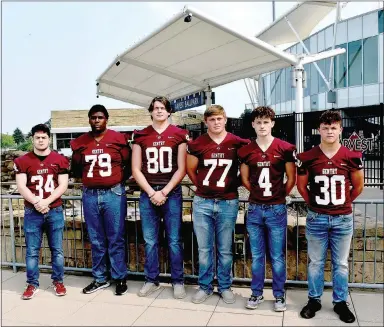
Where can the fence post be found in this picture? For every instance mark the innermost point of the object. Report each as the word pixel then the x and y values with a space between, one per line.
pixel 12 230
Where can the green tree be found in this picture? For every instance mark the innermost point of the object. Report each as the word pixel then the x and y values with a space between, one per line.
pixel 7 141
pixel 26 145
pixel 18 136
pixel 245 113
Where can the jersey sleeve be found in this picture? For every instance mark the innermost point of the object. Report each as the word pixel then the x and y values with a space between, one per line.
pixel 242 155
pixel 300 163
pixel 137 137
pixel 18 166
pixel 63 166
pixel 193 148
pixel 355 161
pixel 184 136
pixel 288 153
pixel 76 167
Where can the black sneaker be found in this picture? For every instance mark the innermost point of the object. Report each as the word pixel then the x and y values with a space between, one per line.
pixel 95 286
pixel 121 287
pixel 341 308
pixel 309 311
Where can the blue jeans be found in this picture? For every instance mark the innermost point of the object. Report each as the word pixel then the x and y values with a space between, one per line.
pixel 214 222
pixel 34 224
pixel 104 214
pixel 171 212
pixel 335 231
pixel 267 224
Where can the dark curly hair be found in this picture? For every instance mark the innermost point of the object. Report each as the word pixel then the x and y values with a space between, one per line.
pixel 330 117
pixel 263 112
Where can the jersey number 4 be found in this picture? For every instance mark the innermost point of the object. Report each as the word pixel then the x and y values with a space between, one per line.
pixel 103 160
pixel 332 195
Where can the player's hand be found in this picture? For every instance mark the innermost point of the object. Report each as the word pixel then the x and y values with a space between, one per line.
pixel 42 205
pixel 158 199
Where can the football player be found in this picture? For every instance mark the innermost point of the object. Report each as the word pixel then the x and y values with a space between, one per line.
pixel 42 178
pixel 264 164
pixel 101 159
pixel 335 178
pixel 158 166
pixel 212 165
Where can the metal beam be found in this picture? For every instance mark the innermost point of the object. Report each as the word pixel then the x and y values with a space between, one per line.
pixel 128 88
pixel 322 55
pixel 162 71
pixel 307 51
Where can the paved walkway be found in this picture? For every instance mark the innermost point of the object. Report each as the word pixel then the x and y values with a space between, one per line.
pixel 160 309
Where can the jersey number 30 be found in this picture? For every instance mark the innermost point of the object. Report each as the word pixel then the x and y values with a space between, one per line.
pixel 330 196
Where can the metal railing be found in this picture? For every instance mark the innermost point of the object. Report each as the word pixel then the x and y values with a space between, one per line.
pixel 367 251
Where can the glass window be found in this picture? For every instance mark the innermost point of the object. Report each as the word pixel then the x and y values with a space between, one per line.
pixel 76 135
pixel 278 86
pixel 322 86
pixel 340 69
pixel 273 88
pixel 64 136
pixel 307 69
pixel 282 86
pixel 314 80
pixel 371 68
pixel 381 21
pixel 354 63
pixel 288 78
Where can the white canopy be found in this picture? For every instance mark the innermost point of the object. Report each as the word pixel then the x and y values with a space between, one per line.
pixel 304 17
pixel 184 57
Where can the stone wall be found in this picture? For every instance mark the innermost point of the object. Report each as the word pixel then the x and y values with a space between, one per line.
pixel 119 117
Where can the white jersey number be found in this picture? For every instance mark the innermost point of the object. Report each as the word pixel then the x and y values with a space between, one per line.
pixel 330 196
pixel 264 182
pixel 156 160
pixel 48 187
pixel 103 160
pixel 213 163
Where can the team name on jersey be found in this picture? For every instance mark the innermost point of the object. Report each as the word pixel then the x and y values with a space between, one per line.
pixel 161 143
pixel 264 164
pixel 97 151
pixel 217 155
pixel 331 171
pixel 42 171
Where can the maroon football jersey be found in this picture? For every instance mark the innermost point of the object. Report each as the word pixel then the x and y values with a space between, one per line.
pixel 101 162
pixel 42 175
pixel 159 152
pixel 266 170
pixel 217 175
pixel 329 179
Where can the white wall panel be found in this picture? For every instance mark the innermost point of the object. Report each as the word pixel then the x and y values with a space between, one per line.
pixel 370 25
pixel 322 99
pixel 307 103
pixel 355 29
pixel 371 94
pixel 342 98
pixel 381 59
pixel 328 37
pixel 356 96
pixel 341 35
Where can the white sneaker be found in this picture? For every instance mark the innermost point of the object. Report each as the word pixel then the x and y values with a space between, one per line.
pixel 147 289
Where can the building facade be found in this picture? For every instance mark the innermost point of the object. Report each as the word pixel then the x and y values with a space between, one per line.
pixel 357 74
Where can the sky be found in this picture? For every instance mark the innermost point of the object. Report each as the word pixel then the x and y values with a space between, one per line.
pixel 52 52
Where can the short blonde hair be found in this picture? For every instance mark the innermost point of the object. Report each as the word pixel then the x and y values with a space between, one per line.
pixel 214 110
